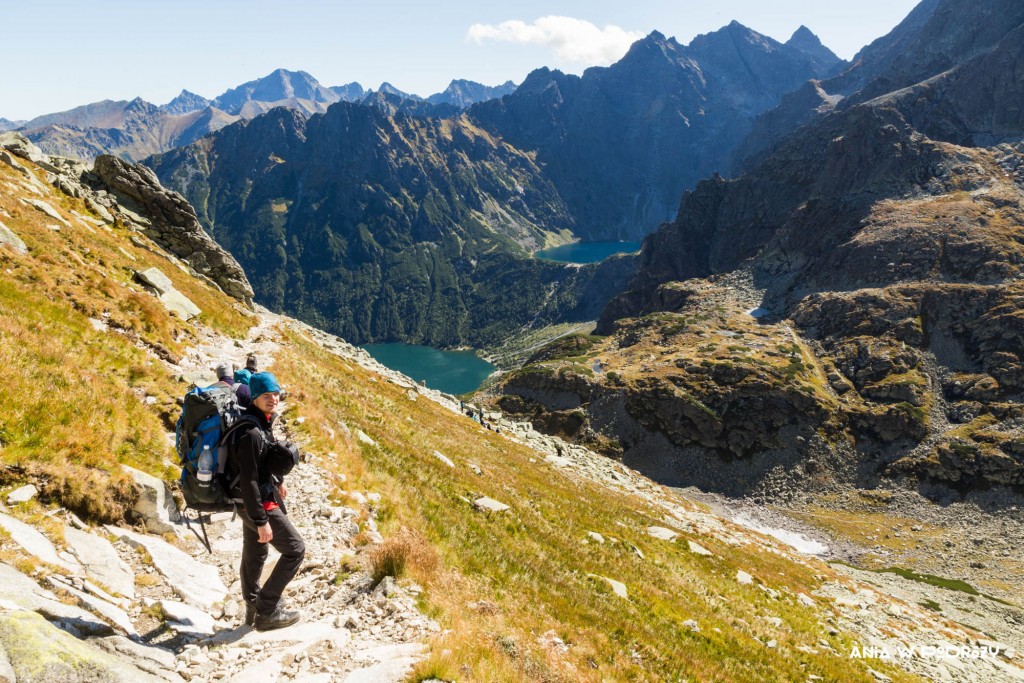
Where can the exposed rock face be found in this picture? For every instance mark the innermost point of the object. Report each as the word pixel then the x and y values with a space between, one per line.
pixel 172 223
pixel 119 192
pixel 706 396
pixel 620 143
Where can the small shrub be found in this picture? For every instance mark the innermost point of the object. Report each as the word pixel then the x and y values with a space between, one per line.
pixel 407 548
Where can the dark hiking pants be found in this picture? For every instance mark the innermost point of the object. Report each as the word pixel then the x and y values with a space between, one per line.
pixel 254 554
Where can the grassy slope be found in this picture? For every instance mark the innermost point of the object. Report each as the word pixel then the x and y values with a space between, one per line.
pixel 72 413
pixel 71 392
pixel 510 577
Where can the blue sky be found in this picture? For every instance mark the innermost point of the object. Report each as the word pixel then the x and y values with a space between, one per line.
pixel 62 53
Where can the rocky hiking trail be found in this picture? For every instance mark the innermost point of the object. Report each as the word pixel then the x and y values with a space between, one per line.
pixel 179 614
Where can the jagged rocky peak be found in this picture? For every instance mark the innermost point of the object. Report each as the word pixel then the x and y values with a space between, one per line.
pixel 732 34
pixel 462 93
pixel 275 87
pixel 653 46
pixel 350 92
pixel 389 89
pixel 539 80
pixel 171 222
pixel 806 41
pixel 186 102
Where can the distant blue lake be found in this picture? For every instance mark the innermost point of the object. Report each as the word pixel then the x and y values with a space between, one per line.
pixel 587 252
pixel 453 372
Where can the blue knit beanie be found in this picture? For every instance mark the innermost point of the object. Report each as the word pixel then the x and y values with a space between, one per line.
pixel 262 382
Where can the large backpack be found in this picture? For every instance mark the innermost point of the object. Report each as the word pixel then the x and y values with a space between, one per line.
pixel 206 421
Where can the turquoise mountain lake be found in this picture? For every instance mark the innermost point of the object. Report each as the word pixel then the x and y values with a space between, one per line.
pixel 453 372
pixel 587 252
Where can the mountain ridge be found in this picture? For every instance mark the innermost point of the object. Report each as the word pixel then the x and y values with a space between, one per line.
pixel 136 129
pixel 660 103
pixel 414 239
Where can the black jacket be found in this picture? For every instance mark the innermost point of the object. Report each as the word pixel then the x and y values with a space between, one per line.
pixel 256 484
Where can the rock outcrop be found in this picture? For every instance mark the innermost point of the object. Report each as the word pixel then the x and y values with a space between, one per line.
pixel 118 191
pixel 171 222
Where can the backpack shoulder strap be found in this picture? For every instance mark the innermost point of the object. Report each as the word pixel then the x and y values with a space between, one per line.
pixel 231 435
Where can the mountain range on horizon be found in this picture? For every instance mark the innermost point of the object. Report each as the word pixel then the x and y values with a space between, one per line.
pixel 135 129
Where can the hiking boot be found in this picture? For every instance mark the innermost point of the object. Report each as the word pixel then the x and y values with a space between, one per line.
pixel 279 618
pixel 250 613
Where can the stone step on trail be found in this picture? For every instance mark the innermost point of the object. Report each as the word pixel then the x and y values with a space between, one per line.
pixel 185 619
pixel 197 583
pixel 35 544
pixel 392 663
pixel 101 561
pixel 112 613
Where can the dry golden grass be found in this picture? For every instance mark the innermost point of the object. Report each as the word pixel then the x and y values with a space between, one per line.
pixel 71 390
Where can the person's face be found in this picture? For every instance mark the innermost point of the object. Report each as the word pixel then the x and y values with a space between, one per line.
pixel 267 401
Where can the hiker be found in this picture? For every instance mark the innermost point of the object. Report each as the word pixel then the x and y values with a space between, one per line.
pixel 242 377
pixel 226 374
pixel 264 519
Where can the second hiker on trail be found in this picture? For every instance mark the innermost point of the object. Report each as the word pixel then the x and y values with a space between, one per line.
pixel 262 464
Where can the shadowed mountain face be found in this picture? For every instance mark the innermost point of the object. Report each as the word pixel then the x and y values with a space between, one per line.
pixel 883 245
pixel 936 36
pixel 385 227
pixel 621 143
pixel 407 220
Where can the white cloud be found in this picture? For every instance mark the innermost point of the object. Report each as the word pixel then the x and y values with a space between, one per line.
pixel 573 40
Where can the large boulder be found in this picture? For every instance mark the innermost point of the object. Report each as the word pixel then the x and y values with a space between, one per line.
pixel 197 583
pixel 155 506
pixel 35 544
pixel 171 298
pixel 172 222
pixel 101 561
pixel 8 237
